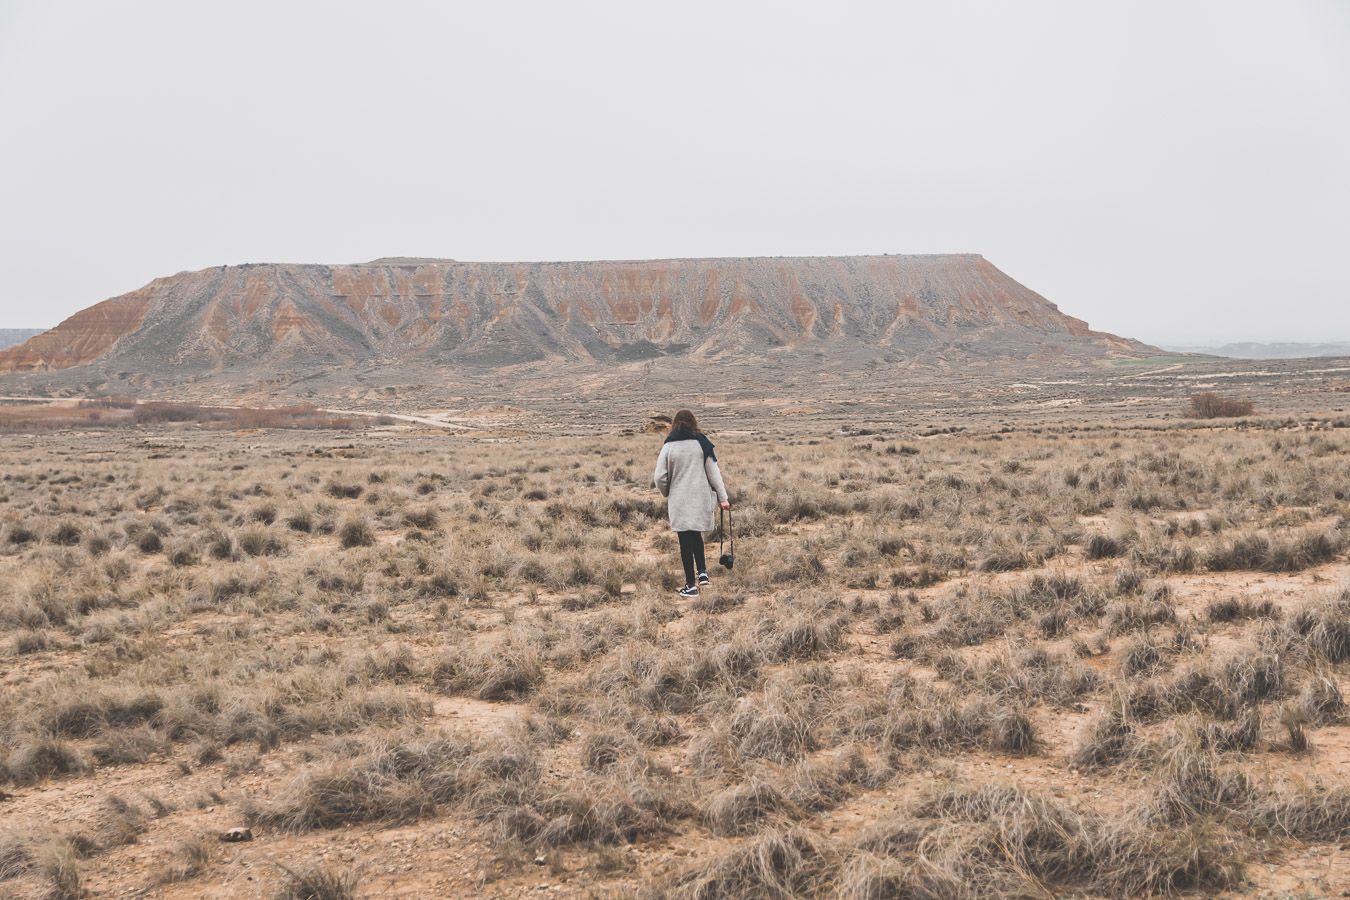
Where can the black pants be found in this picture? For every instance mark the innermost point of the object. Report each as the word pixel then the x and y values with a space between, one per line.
pixel 691 554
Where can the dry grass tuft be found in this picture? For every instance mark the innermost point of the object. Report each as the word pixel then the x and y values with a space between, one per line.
pixel 191 859
pixel 393 782
pixel 322 881
pixel 778 863
pixel 507 672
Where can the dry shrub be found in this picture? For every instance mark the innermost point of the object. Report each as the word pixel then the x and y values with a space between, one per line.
pixel 1293 718
pixel 1323 627
pixel 424 517
pixel 390 661
pixel 16 854
pixel 1232 609
pixel 603 750
pixel 301 520
pixel 804 636
pixel 343 490
pixel 91 711
pixel 713 602
pixel 638 676
pixel 1141 656
pixel 974 619
pixel 1123 616
pixel 149 541
pixel 1292 553
pixel 823 782
pixel 1191 782
pixel 66 534
pixel 779 863
pixel 1140 859
pixel 164 411
pixel 128 745
pixel 803 567
pixel 508 671
pixel 1101 546
pixel 1243 734
pixel 939 722
pixel 260 540
pixel 38 758
pixel 996 840
pixel 35 417
pixel 1210 405
pixel 394 782
pixel 30 640
pixel 1224 687
pixel 356 532
pixel 321 881
pixel 617 808
pixel 1108 739
pixel 183 555
pixel 776 725
pixel 741 807
pixel 119 823
pixel 1305 812
pixel 191 858
pixel 58 863
pixel 1321 700
pixel 1031 673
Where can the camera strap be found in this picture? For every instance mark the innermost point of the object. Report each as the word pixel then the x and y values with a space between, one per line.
pixel 725 531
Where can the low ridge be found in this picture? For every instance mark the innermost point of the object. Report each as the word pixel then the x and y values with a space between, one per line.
pixel 12 336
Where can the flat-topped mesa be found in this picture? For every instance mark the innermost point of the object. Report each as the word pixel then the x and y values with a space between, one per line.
pixel 482 314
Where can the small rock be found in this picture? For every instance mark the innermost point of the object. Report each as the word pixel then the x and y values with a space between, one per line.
pixel 236 835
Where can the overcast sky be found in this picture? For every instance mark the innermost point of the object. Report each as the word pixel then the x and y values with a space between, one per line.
pixel 1174 171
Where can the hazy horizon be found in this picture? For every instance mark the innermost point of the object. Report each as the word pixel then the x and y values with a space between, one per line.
pixel 1170 173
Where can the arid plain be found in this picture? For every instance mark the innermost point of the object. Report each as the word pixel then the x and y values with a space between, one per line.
pixel 1090 647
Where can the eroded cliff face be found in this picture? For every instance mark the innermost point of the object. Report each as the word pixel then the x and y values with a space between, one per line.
pixel 83 338
pixel 495 314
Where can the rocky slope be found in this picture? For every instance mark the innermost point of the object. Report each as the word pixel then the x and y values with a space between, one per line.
pixel 264 319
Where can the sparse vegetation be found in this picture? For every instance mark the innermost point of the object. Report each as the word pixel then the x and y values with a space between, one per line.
pixel 1099 662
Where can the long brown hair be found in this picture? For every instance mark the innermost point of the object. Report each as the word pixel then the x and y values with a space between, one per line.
pixel 684 419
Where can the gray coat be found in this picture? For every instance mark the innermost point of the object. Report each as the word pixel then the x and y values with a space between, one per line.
pixel 693 484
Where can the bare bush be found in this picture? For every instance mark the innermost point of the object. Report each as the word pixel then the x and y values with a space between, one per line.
pixel 1210 405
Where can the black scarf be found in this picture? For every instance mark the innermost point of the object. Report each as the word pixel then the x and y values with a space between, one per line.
pixel 684 434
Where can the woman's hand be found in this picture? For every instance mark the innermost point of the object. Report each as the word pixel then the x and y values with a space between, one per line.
pixel 725 504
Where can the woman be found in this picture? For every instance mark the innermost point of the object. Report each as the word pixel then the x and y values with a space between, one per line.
pixel 687 473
